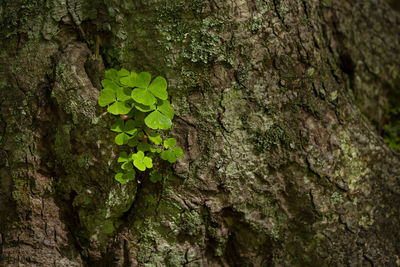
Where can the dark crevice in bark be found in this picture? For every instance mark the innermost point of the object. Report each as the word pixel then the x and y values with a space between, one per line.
pixel 130 212
pixel 276 9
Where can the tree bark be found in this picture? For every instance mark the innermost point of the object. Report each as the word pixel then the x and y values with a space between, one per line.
pixel 279 105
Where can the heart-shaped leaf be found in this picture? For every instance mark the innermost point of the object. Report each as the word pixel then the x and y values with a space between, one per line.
pixel 124 93
pixel 157 120
pixel 107 96
pixel 132 142
pixel 142 80
pixel 123 157
pixel 159 88
pixel 121 139
pixel 143 96
pixel 127 166
pixel 119 177
pixel 178 152
pixel 125 177
pixel 112 74
pixel 119 108
pixel 129 80
pixel 109 84
pixel 168 155
pixel 123 72
pixel 172 155
pixel 166 109
pixel 170 143
pixel 148 162
pixel 155 138
pixel 130 175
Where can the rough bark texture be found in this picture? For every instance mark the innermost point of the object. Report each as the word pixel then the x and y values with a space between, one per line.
pixel 277 104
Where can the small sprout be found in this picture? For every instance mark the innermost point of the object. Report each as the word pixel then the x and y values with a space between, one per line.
pixel 141 161
pixel 173 151
pixel 155 138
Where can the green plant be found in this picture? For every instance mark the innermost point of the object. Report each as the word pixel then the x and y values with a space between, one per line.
pixel 144 110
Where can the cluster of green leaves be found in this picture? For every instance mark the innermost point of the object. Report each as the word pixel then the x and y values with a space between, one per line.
pixel 143 109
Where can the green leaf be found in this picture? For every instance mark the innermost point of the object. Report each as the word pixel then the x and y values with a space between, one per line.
pixel 121 139
pixel 148 162
pixel 168 155
pixel 119 108
pixel 123 72
pixel 173 153
pixel 143 80
pixel 159 88
pixel 138 160
pixel 130 128
pixel 120 178
pixel 129 80
pixel 127 166
pixel 143 96
pixel 141 162
pixel 133 141
pixel 123 157
pixel 166 109
pixel 155 138
pixel 170 143
pixel 178 152
pixel 145 147
pixel 112 74
pixel 130 175
pixel 144 108
pixel 118 126
pixel 139 165
pixel 106 97
pixel 124 93
pixel 109 84
pixel 138 117
pixel 140 134
pixel 156 120
pixel 138 156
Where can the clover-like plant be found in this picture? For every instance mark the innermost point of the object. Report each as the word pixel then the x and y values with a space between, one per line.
pixel 144 110
pixel 173 152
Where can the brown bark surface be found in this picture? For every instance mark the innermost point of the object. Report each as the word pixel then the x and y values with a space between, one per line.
pixel 279 106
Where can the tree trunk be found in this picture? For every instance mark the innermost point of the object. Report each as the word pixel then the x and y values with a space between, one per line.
pixel 279 108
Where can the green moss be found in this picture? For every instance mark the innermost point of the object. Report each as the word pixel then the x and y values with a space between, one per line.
pixel 354 167
pixel 336 198
pixel 21 191
pixel 272 138
pixel 20 15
